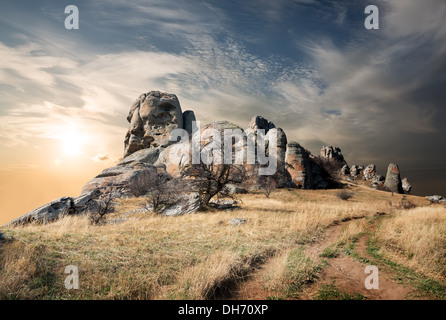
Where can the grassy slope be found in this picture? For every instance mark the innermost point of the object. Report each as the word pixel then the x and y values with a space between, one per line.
pixel 192 256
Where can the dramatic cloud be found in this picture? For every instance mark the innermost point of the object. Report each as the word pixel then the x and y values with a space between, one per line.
pixel 309 66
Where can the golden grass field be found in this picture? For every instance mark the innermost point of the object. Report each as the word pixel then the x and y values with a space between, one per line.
pixel 194 256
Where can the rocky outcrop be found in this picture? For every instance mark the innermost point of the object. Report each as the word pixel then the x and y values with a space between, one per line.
pixel 118 179
pixel 356 170
pixel 333 153
pixel 259 122
pixel 152 117
pixel 149 149
pixel 393 179
pixel 369 172
pixel 345 170
pixel 298 166
pixel 187 203
pixel 405 184
pixel 436 199
pixel 56 209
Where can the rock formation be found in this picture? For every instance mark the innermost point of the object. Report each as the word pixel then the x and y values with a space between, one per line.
pixel 56 209
pixel 405 184
pixel 356 170
pixel 152 118
pixel 149 149
pixel 345 170
pixel 333 153
pixel 369 172
pixel 393 179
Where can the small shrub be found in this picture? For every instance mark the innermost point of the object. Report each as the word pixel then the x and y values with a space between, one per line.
pixel 406 204
pixel 344 194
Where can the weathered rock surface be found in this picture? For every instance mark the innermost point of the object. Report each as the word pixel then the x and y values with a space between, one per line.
pixel 436 198
pixel 393 179
pixel 152 118
pixel 188 203
pixel 356 170
pixel 238 221
pixel 118 179
pixel 147 148
pixel 333 153
pixel 369 172
pixel 407 187
pixel 297 165
pixel 345 170
pixel 259 123
pixel 234 189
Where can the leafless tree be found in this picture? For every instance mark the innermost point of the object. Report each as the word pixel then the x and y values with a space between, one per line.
pixel 159 189
pixel 268 184
pixel 210 179
pixel 99 208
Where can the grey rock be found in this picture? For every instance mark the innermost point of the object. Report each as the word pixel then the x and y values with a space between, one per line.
pixel 369 172
pixel 237 221
pixel 188 203
pixel 47 213
pixel 152 117
pixel 436 198
pixel 345 170
pixel 149 156
pixel 407 187
pixel 393 179
pixel 117 220
pixel 224 204
pixel 356 170
pixel 259 123
pixel 118 179
pixel 234 189
pixel 333 153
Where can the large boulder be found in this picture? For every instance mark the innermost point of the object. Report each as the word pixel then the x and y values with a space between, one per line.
pixel 188 203
pixel 333 153
pixel 118 179
pixel 369 172
pixel 259 123
pixel 152 117
pixel 298 166
pixel 345 170
pixel 405 184
pixel 356 170
pixel 393 179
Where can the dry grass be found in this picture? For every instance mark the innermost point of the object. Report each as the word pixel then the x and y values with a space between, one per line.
pixel 417 238
pixel 150 256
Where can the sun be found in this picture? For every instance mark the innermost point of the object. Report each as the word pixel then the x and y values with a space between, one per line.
pixel 73 141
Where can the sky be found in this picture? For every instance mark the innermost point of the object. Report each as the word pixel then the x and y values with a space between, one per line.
pixel 309 66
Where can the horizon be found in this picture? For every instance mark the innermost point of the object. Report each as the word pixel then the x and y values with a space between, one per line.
pixel 308 66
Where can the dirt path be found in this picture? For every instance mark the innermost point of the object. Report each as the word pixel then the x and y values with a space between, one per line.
pixel 343 272
pixel 348 274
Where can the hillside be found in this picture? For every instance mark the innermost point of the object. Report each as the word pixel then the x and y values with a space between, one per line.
pixel 297 244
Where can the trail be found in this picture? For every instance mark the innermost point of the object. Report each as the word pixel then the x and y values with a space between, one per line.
pixel 343 271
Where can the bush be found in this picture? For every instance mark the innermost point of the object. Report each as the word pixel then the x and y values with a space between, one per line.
pixel 406 204
pixel 344 194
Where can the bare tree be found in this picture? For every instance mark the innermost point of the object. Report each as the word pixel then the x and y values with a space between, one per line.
pixel 210 179
pixel 159 189
pixel 99 208
pixel 268 184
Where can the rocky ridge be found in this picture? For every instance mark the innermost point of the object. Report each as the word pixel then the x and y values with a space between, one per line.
pixel 155 116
